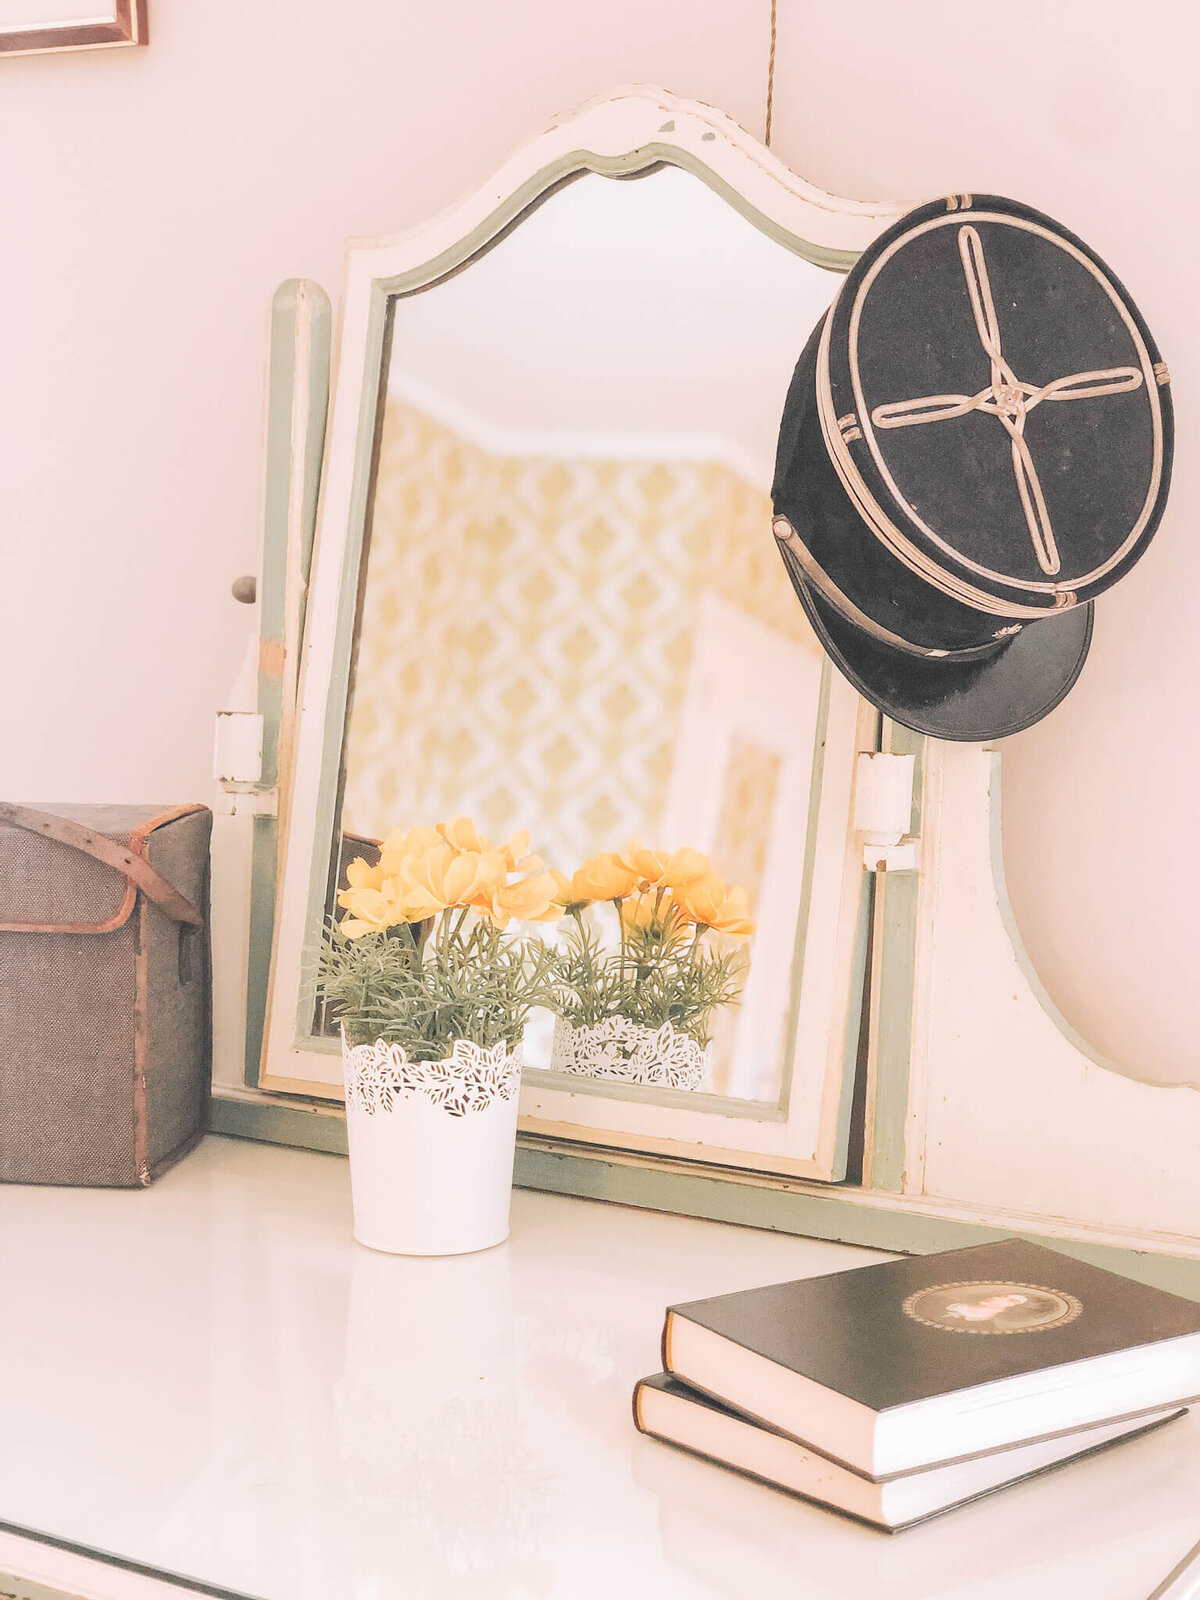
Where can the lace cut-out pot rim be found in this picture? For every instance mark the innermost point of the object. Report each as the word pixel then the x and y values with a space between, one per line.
pixel 620 1049
pixel 380 1077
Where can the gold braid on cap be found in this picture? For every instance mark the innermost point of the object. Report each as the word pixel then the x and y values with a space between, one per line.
pixel 1008 398
pixel 791 542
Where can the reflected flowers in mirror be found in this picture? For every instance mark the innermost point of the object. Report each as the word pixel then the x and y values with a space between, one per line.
pixel 642 1012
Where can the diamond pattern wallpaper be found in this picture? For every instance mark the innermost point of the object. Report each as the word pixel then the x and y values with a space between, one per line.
pixel 531 628
pixel 526 636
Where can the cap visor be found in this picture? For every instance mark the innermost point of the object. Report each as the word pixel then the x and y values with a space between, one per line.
pixel 972 701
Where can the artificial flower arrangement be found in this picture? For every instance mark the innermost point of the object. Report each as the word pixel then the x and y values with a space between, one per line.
pixel 642 1011
pixel 423 958
pixel 433 991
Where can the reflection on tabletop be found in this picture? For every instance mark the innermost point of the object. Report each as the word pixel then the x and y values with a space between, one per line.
pixel 251 1399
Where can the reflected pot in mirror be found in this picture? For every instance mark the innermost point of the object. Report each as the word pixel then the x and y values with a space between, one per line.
pixel 431 1145
pixel 629 1052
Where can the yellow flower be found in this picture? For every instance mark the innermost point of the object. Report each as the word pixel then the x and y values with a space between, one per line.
pixel 371 910
pixel 533 899
pixel 464 835
pixel 400 847
pixel 414 901
pixel 490 874
pixel 360 874
pixel 686 866
pixel 662 869
pixel 517 857
pixel 655 911
pixel 365 911
pixel 451 878
pixel 366 898
pixel 565 897
pixel 710 903
pixel 424 871
pixel 604 877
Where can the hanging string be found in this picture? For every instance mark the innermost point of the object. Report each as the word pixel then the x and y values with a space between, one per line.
pixel 771 74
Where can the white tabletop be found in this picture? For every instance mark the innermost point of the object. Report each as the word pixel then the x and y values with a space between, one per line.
pixel 212 1378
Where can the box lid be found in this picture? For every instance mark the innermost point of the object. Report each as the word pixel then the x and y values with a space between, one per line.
pixel 49 885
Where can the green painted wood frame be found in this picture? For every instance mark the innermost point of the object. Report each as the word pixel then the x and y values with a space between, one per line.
pixel 297 408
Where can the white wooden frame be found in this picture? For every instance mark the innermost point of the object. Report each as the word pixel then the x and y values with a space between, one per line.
pixel 630 131
pixel 1011 1115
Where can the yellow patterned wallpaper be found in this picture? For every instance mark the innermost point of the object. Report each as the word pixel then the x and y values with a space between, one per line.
pixel 526 638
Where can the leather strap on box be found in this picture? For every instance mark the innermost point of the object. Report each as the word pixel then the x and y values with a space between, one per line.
pixel 120 857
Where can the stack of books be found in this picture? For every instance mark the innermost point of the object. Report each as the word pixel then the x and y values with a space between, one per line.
pixel 895 1392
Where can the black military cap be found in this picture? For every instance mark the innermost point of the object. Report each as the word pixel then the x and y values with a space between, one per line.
pixel 976 443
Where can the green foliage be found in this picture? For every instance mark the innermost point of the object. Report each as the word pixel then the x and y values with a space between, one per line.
pixel 423 985
pixel 661 973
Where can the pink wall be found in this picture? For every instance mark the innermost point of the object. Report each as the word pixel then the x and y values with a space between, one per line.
pixel 153 200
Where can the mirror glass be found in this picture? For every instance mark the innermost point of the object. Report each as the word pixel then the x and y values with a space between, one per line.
pixel 574 619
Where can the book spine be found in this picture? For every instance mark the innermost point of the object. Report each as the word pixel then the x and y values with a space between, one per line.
pixel 637 1406
pixel 758 1477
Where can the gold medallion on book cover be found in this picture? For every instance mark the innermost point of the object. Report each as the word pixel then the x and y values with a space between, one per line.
pixel 992 1308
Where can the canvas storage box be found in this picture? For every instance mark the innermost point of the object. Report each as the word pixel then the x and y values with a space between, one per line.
pixel 104 991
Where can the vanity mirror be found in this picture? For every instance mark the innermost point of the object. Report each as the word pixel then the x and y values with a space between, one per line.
pixel 545 595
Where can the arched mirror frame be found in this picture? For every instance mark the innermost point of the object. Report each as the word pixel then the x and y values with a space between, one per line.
pixel 630 132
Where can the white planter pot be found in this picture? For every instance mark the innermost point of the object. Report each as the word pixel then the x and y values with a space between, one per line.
pixel 431 1147
pixel 628 1052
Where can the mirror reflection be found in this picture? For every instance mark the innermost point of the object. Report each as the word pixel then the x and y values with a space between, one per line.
pixel 574 619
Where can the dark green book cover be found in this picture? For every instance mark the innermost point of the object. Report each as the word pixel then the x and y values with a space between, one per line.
pixel 922 1326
